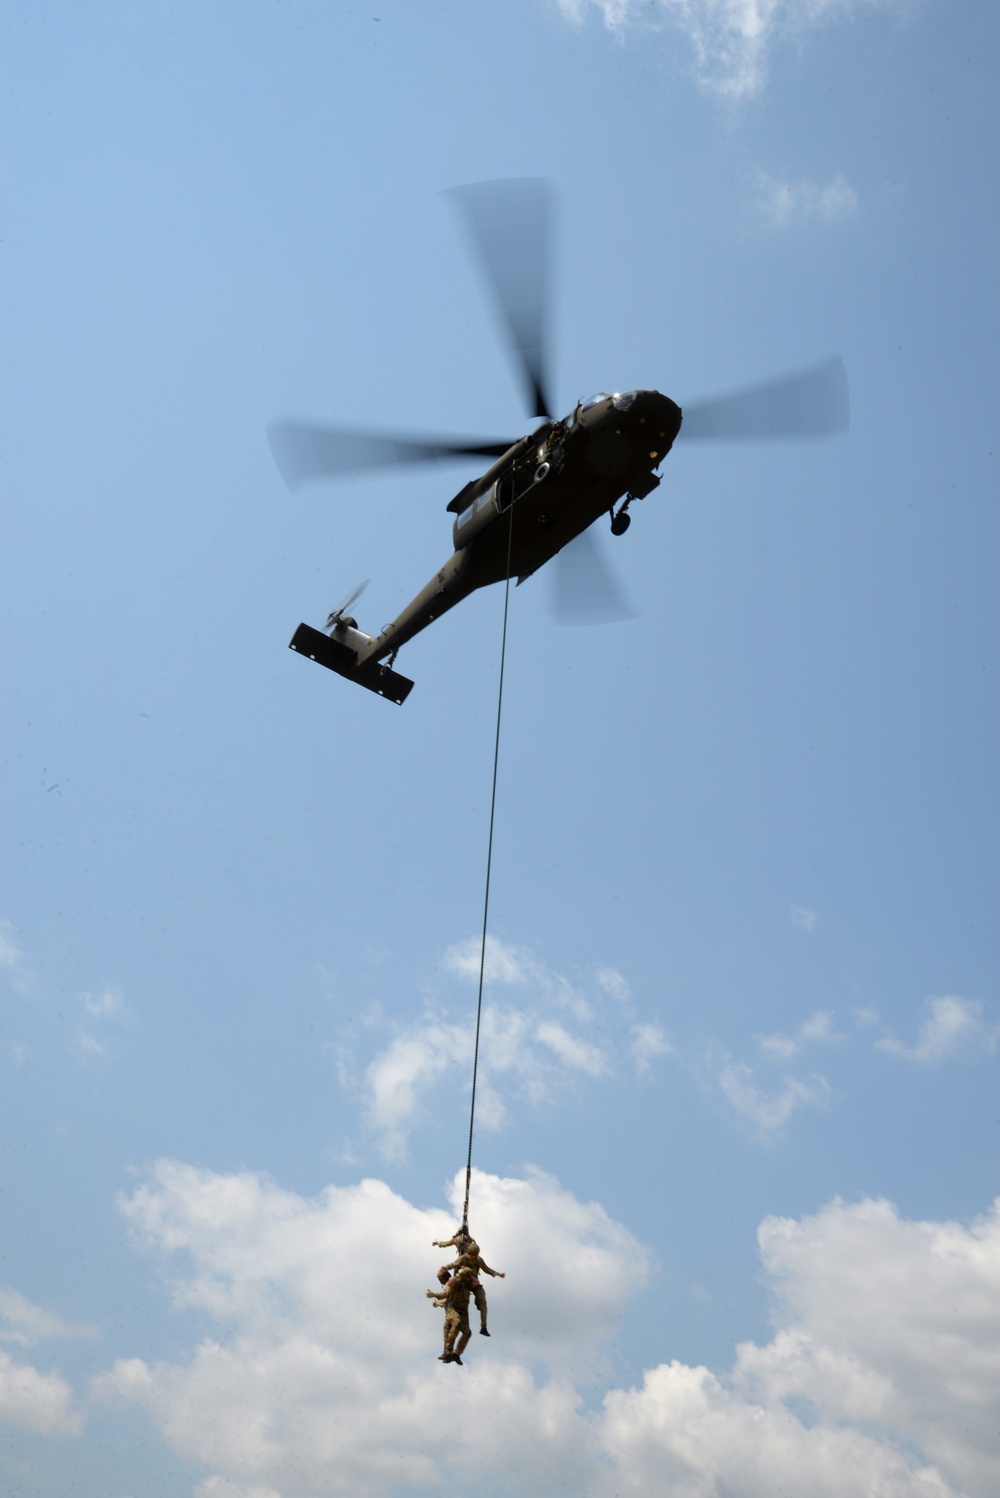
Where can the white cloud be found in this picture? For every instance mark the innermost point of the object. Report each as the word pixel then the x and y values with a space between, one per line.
pixel 769 1108
pixel 106 1005
pixel 613 984
pixel 104 1014
pixel 801 916
pixel 882 1375
pixel 42 1402
pixel 817 1028
pixel 891 1322
pixel 779 205
pixel 503 963
pixel 24 1323
pixel 12 959
pixel 647 1044
pixel 221 1487
pixel 732 39
pixel 551 1038
pixel 575 1053
pixel 951 1027
pixel 10 952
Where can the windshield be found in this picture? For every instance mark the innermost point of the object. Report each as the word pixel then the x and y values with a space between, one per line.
pixel 595 400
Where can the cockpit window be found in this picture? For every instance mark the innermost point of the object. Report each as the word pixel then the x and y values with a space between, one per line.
pixel 623 402
pixel 595 400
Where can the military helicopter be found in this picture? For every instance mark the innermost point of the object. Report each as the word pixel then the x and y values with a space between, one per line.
pixel 538 498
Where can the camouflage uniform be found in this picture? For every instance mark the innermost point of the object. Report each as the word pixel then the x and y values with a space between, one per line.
pixel 461 1240
pixel 469 1258
pixel 455 1299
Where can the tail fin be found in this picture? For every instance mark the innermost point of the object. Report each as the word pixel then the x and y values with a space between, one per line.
pixel 340 658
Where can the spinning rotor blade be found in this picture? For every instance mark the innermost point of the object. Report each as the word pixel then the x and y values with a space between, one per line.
pixel 510 224
pixel 302 452
pixel 585 590
pixel 811 403
pixel 341 609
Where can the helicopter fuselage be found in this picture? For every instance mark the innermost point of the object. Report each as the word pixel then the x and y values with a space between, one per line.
pixel 541 494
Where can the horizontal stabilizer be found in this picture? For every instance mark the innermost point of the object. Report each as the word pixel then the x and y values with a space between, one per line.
pixel 339 658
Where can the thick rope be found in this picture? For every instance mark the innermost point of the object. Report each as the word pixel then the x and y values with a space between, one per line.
pixel 489 861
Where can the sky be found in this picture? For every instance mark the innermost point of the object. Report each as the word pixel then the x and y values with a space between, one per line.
pixel 738 1130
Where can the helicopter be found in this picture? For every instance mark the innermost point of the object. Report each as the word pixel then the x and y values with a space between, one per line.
pixel 543 491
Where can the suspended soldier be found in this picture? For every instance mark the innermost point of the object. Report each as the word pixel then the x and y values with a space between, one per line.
pixel 455 1300
pixel 469 1258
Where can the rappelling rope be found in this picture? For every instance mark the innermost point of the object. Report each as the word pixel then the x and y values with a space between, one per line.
pixel 489 860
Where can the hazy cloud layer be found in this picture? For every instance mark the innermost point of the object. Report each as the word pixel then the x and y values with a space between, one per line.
pixel 732 39
pixel 883 1374
pixel 541 1034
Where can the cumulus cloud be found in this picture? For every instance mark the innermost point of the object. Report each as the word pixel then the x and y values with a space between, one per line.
pixel 891 1322
pixel 41 1402
pixel 732 39
pixel 882 1374
pixel 951 1027
pixel 779 205
pixel 769 1108
pixel 544 1034
pixel 323 1377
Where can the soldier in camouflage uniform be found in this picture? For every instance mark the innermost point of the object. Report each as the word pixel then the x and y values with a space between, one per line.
pixel 469 1258
pixel 455 1299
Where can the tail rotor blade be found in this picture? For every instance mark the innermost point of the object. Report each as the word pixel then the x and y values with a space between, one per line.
pixel 585 588
pixel 510 224
pixel 302 452
pixel 341 609
pixel 809 403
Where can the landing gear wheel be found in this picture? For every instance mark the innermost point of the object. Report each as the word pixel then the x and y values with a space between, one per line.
pixel 620 523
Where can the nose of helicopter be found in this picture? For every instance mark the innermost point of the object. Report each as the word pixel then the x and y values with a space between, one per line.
pixel 656 416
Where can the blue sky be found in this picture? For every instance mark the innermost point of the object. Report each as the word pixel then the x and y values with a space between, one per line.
pixel 738 1143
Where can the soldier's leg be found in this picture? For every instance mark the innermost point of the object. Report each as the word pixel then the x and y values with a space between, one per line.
pixel 480 1297
pixel 464 1334
pixel 451 1325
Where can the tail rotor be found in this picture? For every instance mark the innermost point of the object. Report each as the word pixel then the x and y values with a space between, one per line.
pixel 337 616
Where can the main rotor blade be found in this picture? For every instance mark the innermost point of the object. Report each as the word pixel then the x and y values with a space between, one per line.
pixel 510 223
pixel 304 452
pixel 810 403
pixel 585 589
